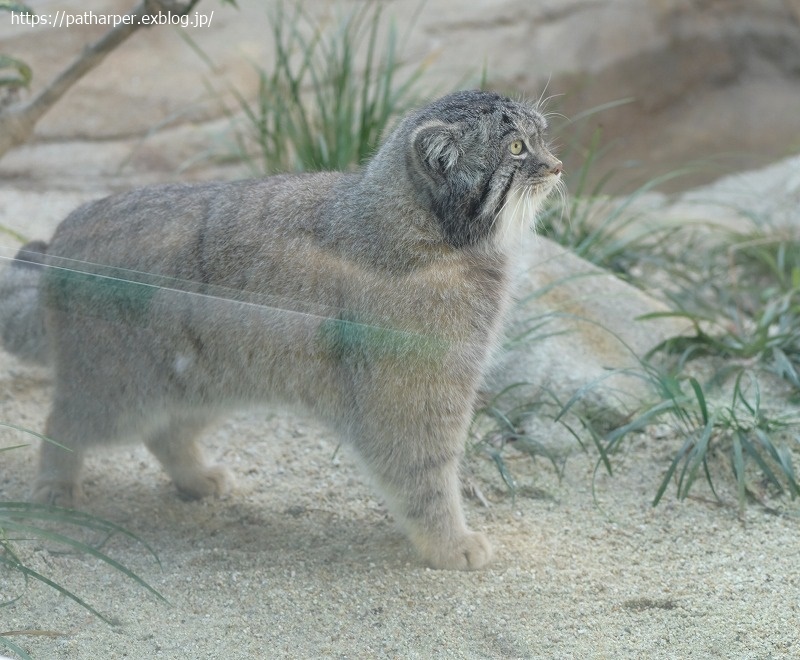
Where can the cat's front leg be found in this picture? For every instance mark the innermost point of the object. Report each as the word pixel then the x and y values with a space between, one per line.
pixel 431 512
pixel 423 491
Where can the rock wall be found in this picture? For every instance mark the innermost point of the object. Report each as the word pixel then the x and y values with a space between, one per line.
pixel 702 79
pixel 710 81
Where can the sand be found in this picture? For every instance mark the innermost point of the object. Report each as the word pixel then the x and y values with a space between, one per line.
pixel 301 560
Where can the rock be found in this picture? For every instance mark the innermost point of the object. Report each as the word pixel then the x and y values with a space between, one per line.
pixel 152 81
pixel 767 198
pixel 703 81
pixel 703 77
pixel 576 330
pixel 580 323
pixel 34 215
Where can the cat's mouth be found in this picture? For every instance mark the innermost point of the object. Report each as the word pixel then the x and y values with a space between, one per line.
pixel 545 184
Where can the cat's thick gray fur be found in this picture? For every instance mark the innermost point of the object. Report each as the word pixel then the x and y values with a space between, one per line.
pixel 373 299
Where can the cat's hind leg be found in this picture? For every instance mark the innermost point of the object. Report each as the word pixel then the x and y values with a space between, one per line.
pixel 58 479
pixel 75 424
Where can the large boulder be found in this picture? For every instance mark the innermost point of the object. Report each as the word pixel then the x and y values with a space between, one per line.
pixel 576 335
pixel 767 198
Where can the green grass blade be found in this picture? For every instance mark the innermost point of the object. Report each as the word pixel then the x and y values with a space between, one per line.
pixel 701 399
pixel 22 429
pixel 533 448
pixel 79 546
pixel 787 465
pixel 753 453
pixel 641 421
pixel 671 470
pixel 10 560
pixel 710 481
pixel 14 234
pixel 784 367
pixel 29 510
pixel 29 572
pixel 603 450
pixel 738 470
pixel 502 468
pixel 13 447
pixel 11 646
pixel 697 457
pixel 576 436
pixel 782 457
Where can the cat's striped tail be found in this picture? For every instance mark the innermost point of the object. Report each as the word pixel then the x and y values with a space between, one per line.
pixel 22 325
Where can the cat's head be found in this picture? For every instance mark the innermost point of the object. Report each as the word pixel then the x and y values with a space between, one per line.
pixel 481 163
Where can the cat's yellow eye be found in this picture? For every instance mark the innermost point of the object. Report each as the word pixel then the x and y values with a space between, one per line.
pixel 516 147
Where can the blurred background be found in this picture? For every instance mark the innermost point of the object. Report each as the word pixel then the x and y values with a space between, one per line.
pixel 642 86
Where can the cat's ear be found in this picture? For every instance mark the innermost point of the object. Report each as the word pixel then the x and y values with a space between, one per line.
pixel 437 146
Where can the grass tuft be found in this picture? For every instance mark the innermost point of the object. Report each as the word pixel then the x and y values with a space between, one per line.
pixel 23 522
pixel 329 95
pixel 739 292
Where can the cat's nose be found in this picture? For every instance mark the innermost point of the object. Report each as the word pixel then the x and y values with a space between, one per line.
pixel 557 168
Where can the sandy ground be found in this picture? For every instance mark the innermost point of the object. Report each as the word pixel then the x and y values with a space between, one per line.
pixel 302 561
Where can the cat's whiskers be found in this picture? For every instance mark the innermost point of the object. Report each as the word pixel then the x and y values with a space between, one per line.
pixel 561 191
pixel 525 217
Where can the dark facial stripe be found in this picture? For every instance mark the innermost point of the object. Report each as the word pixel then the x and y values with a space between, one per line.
pixel 502 202
pixel 481 201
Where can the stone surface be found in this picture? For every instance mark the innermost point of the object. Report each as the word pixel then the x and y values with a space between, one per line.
pixel 707 80
pixel 581 335
pixel 768 198
pixel 153 80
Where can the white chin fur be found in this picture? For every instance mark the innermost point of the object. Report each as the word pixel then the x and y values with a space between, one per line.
pixel 518 214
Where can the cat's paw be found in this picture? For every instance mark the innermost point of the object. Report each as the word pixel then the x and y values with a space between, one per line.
pixel 65 494
pixel 466 553
pixel 210 481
